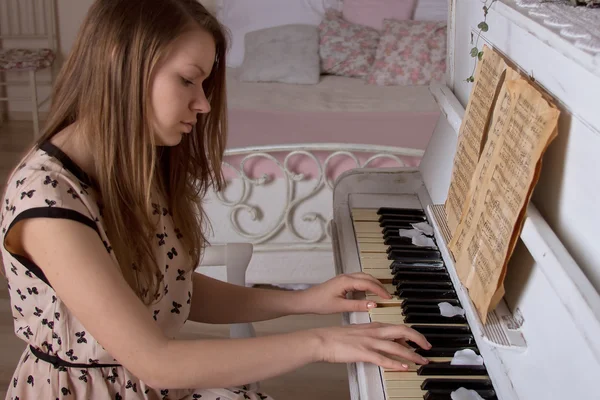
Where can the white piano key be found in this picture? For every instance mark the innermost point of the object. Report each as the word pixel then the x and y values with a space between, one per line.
pixel 406 393
pixel 367 227
pixel 379 273
pixel 413 376
pixel 376 264
pixel 369 214
pixel 366 235
pixel 372 247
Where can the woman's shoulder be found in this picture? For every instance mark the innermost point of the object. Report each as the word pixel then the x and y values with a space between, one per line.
pixel 42 184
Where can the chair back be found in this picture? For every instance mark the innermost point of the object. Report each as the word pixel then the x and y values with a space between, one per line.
pixel 28 24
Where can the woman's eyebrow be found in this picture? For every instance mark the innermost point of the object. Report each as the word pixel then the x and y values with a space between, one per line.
pixel 199 67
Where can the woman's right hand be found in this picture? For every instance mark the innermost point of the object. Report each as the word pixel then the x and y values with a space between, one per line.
pixel 373 343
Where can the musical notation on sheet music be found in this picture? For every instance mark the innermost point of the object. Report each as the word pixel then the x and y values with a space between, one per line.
pixel 418 278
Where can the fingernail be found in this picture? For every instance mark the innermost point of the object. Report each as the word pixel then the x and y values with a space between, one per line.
pixel 429 345
pixel 405 366
pixel 424 360
pixel 371 305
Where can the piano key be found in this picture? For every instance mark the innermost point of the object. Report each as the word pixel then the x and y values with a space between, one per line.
pixel 401 217
pixel 422 276
pixel 443 351
pixel 409 302
pixel 416 257
pixel 417 318
pixel 367 227
pixel 425 329
pixel 396 211
pixel 429 254
pixel 397 266
pixel 447 395
pixel 390 315
pixel 424 285
pixel 406 393
pixel 448 369
pixel 391 225
pixel 453 384
pixel 396 241
pixel 413 376
pixel 451 340
pixel 441 295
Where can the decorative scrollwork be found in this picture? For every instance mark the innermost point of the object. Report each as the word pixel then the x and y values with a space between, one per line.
pixel 285 219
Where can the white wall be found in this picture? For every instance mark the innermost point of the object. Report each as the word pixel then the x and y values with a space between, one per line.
pixel 69 15
pixel 569 188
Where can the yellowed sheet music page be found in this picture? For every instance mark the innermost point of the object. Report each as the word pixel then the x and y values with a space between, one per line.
pixel 472 132
pixel 523 125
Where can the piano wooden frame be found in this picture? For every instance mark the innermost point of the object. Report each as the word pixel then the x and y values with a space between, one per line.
pixel 557 310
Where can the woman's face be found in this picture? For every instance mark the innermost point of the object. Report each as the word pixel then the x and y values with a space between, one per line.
pixel 177 95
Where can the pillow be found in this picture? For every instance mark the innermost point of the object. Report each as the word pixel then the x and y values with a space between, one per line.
pixel 286 53
pixel 243 16
pixel 372 12
pixel 345 48
pixel 410 53
pixel 431 10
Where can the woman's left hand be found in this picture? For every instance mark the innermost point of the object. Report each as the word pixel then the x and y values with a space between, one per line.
pixel 330 297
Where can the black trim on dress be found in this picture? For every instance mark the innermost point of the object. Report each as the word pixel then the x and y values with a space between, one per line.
pixel 59 362
pixel 47 212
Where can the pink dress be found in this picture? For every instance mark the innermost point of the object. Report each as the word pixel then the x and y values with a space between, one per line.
pixel 62 360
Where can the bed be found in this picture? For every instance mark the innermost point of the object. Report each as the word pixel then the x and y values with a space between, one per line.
pixel 288 143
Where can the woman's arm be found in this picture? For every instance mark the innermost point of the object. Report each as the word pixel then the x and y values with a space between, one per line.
pixel 217 302
pixel 91 285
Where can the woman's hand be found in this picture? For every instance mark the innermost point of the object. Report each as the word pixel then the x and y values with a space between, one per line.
pixel 376 343
pixel 330 297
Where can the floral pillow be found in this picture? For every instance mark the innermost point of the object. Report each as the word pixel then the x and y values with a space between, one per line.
pixel 346 48
pixel 410 53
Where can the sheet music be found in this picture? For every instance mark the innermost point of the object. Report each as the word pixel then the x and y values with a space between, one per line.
pixel 523 125
pixel 488 77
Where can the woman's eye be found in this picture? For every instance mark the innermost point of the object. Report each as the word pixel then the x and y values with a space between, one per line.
pixel 186 82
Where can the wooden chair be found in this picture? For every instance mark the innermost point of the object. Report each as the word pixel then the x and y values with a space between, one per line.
pixel 29 44
pixel 235 257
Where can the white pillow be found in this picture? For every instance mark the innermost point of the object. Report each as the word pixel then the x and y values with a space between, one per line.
pixel 431 10
pixel 243 16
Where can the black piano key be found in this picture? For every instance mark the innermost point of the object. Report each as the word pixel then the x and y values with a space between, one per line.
pixel 393 228
pixel 403 211
pixel 453 384
pixel 402 217
pixel 423 285
pixel 442 351
pixel 409 302
pixel 441 295
pixel 428 318
pixel 422 276
pixel 435 264
pixel 446 395
pixel 398 266
pixel 424 252
pixel 398 241
pixel 451 340
pixel 420 252
pixel 441 368
pixel 429 329
pixel 404 247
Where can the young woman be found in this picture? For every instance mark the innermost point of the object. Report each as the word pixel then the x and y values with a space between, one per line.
pixel 102 228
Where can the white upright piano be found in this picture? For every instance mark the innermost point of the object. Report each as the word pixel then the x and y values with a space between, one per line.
pixel 542 341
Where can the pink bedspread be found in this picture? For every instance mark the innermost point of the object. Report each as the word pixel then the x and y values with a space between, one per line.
pixel 248 128
pixel 336 110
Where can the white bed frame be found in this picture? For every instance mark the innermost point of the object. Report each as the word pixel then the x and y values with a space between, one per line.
pixel 288 219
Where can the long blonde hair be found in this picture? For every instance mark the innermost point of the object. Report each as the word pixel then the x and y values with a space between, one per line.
pixel 104 86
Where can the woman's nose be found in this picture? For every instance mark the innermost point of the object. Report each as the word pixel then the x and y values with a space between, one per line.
pixel 201 104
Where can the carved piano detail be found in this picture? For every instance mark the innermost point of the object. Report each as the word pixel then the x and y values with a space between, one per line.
pixel 541 342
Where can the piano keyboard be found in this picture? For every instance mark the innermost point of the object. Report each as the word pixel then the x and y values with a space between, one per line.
pixel 419 281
